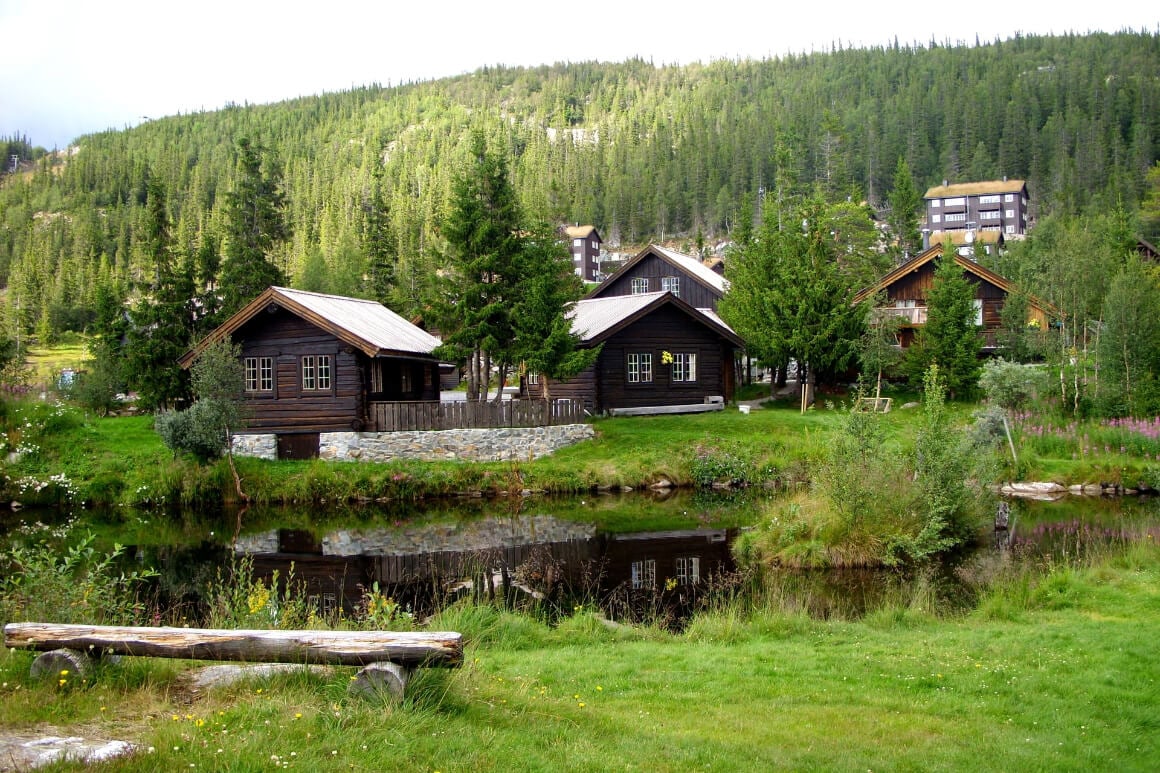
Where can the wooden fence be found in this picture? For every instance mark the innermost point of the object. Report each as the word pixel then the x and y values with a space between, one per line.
pixel 412 416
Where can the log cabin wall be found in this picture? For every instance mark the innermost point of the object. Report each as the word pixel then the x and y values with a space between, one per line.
pixel 288 406
pixel 652 269
pixel 916 286
pixel 666 329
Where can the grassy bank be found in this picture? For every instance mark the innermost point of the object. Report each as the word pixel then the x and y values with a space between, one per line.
pixel 1053 669
pixel 66 456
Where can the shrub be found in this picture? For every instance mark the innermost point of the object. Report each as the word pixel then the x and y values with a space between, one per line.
pixel 199 430
pixel 78 585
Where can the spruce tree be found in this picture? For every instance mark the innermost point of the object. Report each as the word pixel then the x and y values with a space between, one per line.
pixel 950 338
pixel 905 203
pixel 255 227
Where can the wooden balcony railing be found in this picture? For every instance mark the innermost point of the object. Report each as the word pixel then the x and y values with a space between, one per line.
pixel 413 416
pixel 915 315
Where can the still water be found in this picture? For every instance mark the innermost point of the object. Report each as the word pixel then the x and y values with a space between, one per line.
pixel 639 556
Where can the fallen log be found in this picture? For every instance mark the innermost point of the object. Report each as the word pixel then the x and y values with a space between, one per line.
pixel 347 648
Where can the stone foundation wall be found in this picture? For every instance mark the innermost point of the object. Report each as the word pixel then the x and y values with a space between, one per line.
pixel 261 446
pixel 476 445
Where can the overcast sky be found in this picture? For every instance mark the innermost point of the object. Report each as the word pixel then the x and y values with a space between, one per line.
pixel 69 67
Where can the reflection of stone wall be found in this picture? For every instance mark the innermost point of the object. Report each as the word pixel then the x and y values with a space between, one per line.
pixel 476 445
pixel 467 536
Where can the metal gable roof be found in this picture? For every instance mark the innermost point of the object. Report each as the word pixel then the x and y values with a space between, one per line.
pixel 593 318
pixel 366 325
pixel 374 325
pixel 694 267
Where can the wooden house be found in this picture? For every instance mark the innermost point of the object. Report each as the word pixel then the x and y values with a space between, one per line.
pixel 658 354
pixel 906 288
pixel 657 268
pixel 318 363
pixel 584 244
pixel 990 206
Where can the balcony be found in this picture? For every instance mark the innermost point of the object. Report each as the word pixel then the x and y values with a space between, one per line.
pixel 914 315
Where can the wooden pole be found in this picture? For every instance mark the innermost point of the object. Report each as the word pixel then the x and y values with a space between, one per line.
pixel 348 648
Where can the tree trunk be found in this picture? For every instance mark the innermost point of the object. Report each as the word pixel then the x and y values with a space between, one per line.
pixel 348 648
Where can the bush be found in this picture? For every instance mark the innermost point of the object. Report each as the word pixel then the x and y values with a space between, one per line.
pixel 79 585
pixel 199 430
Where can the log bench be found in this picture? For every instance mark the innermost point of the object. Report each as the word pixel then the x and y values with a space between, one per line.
pixel 387 658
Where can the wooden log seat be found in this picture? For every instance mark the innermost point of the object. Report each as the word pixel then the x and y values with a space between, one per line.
pixel 387 657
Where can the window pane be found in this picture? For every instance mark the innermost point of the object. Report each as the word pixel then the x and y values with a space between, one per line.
pixel 308 381
pixel 324 372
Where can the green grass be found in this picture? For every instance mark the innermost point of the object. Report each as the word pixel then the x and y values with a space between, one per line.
pixel 1069 682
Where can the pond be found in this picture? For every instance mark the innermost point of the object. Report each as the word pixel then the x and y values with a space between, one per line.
pixel 644 556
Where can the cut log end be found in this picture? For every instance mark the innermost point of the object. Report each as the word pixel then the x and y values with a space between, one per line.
pixel 381 682
pixel 62 664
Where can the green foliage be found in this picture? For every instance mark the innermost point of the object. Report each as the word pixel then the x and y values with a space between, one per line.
pixel 1011 386
pixel 96 388
pixel 236 598
pixel 720 462
pixel 950 337
pixel 205 428
pixel 905 204
pixel 49 580
pixel 788 298
pixel 255 227
pixel 944 471
pixel 1129 345
pixel 644 152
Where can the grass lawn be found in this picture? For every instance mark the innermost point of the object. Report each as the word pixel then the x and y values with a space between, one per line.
pixel 1058 673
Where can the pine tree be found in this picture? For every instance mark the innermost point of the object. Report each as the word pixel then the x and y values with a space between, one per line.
pixel 255 227
pixel 789 299
pixel 950 338
pixel 162 321
pixel 905 202
pixel 474 307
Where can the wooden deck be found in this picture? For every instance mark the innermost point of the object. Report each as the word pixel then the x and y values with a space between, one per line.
pixel 417 416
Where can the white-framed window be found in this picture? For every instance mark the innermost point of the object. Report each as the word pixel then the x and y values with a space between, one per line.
pixel 1010 213
pixel 935 203
pixel 259 374
pixel 978 312
pixel 639 285
pixel 1010 229
pixel 989 214
pixel 684 367
pixel 644 574
pixel 957 201
pixel 688 570
pixel 1009 197
pixel 994 199
pixel 577 242
pixel 595 245
pixel 935 218
pixel 639 368
pixel 315 372
pixel 956 218
pixel 533 377
pixel 672 284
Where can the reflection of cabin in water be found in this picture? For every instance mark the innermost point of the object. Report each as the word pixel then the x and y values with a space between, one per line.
pixel 639 564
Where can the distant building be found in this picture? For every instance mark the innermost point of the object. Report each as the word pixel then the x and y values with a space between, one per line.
pixel 905 290
pixel 963 210
pixel 658 268
pixel 584 242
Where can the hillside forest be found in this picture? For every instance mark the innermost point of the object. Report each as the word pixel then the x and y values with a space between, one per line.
pixel 690 156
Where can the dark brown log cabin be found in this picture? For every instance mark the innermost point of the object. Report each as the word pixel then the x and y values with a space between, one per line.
pixel 657 268
pixel 906 289
pixel 637 334
pixel 315 362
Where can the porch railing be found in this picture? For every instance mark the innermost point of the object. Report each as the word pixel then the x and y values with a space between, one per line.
pixel 413 416
pixel 913 315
